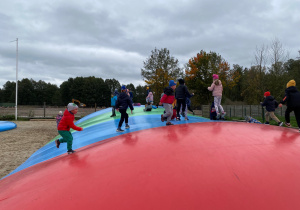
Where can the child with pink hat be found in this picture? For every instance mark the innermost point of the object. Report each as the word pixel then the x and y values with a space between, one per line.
pixel 217 89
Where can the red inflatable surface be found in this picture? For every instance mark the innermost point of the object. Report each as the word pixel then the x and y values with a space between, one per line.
pixel 188 166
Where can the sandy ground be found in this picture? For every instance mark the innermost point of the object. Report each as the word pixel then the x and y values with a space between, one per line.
pixel 17 145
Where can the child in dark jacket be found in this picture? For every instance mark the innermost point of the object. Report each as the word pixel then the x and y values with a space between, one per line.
pixel 122 104
pixel 181 93
pixel 292 100
pixel 167 99
pixel 64 126
pixel 271 104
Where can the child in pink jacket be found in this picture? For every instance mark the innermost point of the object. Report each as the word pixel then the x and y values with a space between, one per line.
pixel 217 89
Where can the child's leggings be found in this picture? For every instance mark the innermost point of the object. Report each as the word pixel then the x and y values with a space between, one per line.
pixel 66 137
pixel 124 115
pixel 297 114
pixel 217 101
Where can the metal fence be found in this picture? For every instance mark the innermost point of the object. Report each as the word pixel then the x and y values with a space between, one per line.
pixel 43 112
pixel 240 111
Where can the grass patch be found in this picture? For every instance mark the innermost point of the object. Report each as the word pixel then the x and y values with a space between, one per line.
pixel 272 122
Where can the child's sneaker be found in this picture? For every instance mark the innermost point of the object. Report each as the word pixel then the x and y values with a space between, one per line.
pixel 119 130
pixel 169 123
pixel 186 118
pixel 71 151
pixel 57 143
pixel 267 123
pixel 162 118
pixel 127 126
pixel 178 118
pixel 280 123
pixel 287 124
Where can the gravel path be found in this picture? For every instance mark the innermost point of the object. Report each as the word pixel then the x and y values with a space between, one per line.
pixel 17 145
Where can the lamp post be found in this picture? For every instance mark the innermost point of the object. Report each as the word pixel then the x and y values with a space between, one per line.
pixel 16 107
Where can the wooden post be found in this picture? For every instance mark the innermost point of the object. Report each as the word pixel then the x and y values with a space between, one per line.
pixel 44 109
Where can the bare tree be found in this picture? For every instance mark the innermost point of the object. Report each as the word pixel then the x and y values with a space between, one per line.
pixel 261 58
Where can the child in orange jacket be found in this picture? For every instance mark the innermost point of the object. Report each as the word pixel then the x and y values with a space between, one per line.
pixel 64 126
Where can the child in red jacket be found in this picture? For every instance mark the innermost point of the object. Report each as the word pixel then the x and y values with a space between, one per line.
pixel 167 100
pixel 64 126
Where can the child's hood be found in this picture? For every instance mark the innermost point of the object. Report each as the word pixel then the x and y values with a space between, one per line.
pixel 291 89
pixel 270 98
pixel 123 95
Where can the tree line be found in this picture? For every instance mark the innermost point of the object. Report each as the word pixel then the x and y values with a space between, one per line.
pixel 270 72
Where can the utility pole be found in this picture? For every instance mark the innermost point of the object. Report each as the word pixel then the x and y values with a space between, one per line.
pixel 16 107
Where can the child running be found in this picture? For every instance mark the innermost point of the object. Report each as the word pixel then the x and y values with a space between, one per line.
pixel 64 126
pixel 217 89
pixel 122 104
pixel 167 99
pixel 271 104
pixel 292 100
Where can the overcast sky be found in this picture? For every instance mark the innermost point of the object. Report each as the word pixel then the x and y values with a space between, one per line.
pixel 111 39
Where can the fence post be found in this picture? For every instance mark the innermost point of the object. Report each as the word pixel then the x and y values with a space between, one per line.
pixel 250 111
pixel 263 114
pixel 234 111
pixel 95 107
pixel 230 111
pixel 44 109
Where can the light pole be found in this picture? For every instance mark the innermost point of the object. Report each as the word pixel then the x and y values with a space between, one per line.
pixel 16 107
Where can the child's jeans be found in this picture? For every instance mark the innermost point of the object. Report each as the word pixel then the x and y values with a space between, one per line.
pixel 272 115
pixel 169 111
pixel 217 102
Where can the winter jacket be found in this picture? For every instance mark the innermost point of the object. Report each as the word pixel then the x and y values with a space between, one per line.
pixel 181 92
pixel 216 89
pixel 168 96
pixel 150 97
pixel 270 103
pixel 67 122
pixel 123 101
pixel 113 100
pixel 292 97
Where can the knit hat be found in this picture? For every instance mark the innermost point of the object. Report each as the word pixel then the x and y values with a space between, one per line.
pixel 215 76
pixel 72 106
pixel 123 87
pixel 267 93
pixel 291 83
pixel 60 113
pixel 171 83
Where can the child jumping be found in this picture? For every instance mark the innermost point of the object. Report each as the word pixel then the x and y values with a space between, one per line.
pixel 217 89
pixel 271 104
pixel 181 93
pixel 167 99
pixel 64 126
pixel 122 104
pixel 292 100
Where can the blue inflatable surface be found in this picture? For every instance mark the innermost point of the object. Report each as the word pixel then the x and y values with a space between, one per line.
pixel 100 126
pixel 6 125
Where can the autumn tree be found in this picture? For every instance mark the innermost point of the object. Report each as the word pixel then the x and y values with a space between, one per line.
pixel 158 69
pixel 199 71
